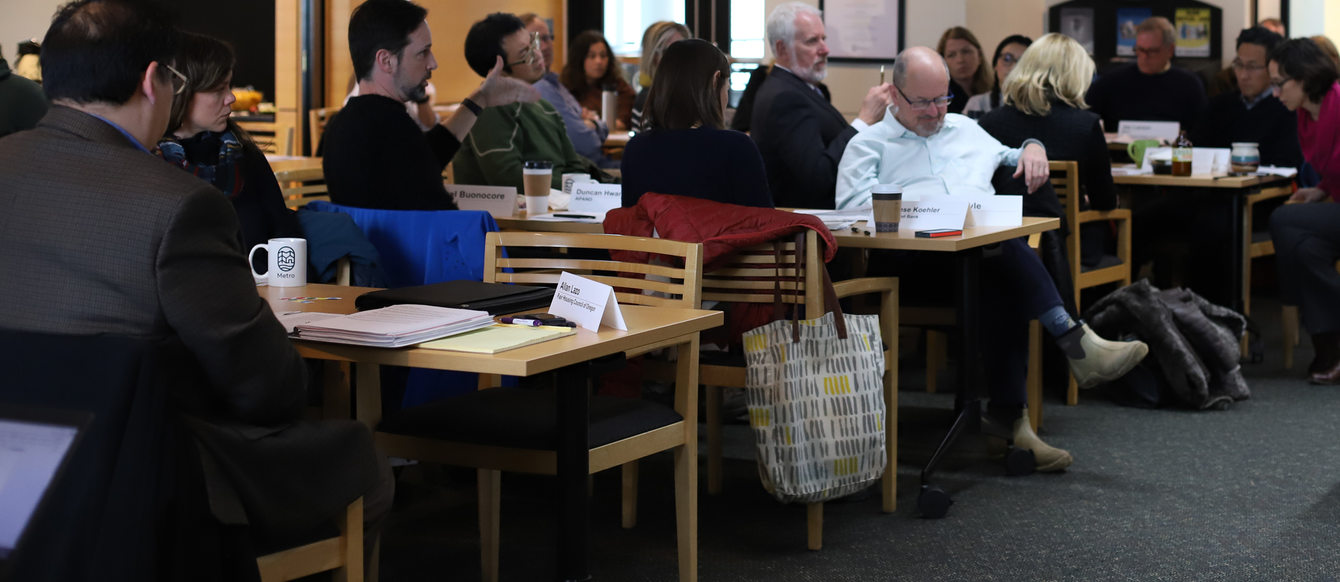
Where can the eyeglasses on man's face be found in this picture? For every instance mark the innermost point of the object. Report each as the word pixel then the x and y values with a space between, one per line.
pixel 926 103
pixel 1149 50
pixel 179 80
pixel 1249 67
pixel 531 54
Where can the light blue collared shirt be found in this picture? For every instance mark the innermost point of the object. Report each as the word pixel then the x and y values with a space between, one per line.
pixel 123 132
pixel 959 159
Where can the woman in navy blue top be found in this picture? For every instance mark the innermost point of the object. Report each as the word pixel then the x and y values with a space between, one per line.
pixel 687 151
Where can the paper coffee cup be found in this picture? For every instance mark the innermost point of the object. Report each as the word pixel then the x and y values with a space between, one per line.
pixel 887 200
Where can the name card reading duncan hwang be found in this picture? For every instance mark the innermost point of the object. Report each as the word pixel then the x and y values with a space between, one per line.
pixel 587 302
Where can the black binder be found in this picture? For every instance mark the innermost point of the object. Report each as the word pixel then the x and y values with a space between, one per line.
pixel 494 298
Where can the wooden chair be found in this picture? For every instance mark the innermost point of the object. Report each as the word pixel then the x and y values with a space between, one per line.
pixel 316 124
pixel 302 186
pixel 343 554
pixel 635 283
pixel 1256 245
pixel 265 134
pixel 1065 181
pixel 751 277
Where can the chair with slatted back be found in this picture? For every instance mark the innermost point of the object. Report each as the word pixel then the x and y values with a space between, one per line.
pixel 302 185
pixel 342 555
pixel 752 276
pixel 1112 268
pixel 623 430
pixel 316 125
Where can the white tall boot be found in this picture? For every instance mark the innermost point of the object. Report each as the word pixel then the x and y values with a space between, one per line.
pixel 1094 360
pixel 1046 458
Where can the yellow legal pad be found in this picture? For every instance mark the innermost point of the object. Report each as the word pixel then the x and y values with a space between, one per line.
pixel 498 337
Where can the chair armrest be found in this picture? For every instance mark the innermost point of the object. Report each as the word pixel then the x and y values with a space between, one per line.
pixel 865 285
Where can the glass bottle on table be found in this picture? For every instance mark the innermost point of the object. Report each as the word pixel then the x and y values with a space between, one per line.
pixel 1181 155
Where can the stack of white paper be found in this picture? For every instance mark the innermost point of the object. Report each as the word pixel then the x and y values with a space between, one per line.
pixel 394 326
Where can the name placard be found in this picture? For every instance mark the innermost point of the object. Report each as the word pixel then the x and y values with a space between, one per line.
pixel 928 212
pixel 500 201
pixel 1165 130
pixel 595 198
pixel 995 211
pixel 587 302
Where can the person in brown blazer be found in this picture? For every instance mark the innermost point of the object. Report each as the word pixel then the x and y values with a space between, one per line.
pixel 99 236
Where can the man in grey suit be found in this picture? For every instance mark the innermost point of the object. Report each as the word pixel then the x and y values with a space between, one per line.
pixel 100 237
pixel 801 135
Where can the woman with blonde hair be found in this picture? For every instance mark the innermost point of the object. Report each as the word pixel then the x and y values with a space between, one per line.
pixel 1043 98
pixel 969 74
pixel 659 36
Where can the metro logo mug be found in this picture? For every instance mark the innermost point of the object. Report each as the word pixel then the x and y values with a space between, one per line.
pixel 287 264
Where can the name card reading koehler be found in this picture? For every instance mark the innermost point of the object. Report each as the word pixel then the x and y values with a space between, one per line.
pixel 928 212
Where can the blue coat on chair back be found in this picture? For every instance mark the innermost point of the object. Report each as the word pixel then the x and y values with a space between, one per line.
pixel 419 247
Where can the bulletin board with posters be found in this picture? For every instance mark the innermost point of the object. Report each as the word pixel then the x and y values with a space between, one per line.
pixel 1106 28
pixel 863 30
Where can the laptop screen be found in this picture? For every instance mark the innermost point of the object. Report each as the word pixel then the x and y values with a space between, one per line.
pixel 33 447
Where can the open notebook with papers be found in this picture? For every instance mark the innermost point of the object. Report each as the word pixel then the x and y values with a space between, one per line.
pixel 393 327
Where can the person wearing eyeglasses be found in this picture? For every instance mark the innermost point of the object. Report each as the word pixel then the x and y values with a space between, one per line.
pixel 1007 55
pixel 376 156
pixel 1307 233
pixel 799 133
pixel 585 128
pixel 1252 113
pixel 1151 89
pixel 927 151
pixel 507 136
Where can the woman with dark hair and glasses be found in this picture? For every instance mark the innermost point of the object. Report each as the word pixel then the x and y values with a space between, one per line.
pixel 593 69
pixel 1307 235
pixel 203 139
pixel 686 149
pixel 1007 54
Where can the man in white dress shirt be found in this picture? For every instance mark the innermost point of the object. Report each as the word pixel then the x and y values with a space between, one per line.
pixel 927 151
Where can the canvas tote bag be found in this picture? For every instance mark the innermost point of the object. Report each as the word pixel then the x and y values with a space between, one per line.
pixel 816 400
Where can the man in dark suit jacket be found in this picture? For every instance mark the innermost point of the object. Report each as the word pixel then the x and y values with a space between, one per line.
pixel 101 237
pixel 801 135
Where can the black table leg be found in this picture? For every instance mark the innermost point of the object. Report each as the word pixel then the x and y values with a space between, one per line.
pixel 967 400
pixel 574 516
pixel 1237 204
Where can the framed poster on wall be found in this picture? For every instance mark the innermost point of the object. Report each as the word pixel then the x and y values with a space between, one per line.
pixel 863 30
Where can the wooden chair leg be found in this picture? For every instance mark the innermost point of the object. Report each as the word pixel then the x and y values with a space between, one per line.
pixel 1034 380
pixel 713 394
pixel 351 528
pixel 814 522
pixel 1289 323
pixel 490 513
pixel 937 354
pixel 1072 391
pixel 630 495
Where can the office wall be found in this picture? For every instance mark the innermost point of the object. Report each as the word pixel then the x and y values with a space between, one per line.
pixel 992 20
pixel 23 20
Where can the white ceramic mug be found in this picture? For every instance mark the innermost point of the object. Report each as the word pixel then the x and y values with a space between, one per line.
pixel 287 264
pixel 573 178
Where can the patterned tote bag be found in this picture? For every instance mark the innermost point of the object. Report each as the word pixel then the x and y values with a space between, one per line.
pixel 816 402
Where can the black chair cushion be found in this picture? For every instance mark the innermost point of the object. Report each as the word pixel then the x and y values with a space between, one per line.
pixel 524 418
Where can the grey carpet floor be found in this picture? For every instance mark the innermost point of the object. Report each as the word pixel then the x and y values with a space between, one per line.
pixel 1251 493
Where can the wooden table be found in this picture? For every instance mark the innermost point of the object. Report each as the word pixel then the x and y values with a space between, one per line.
pixel 566 356
pixel 522 223
pixel 279 163
pixel 1239 189
pixel 967 250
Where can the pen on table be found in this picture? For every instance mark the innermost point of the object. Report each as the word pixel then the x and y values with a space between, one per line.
pixel 557 215
pixel 881 74
pixel 519 321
